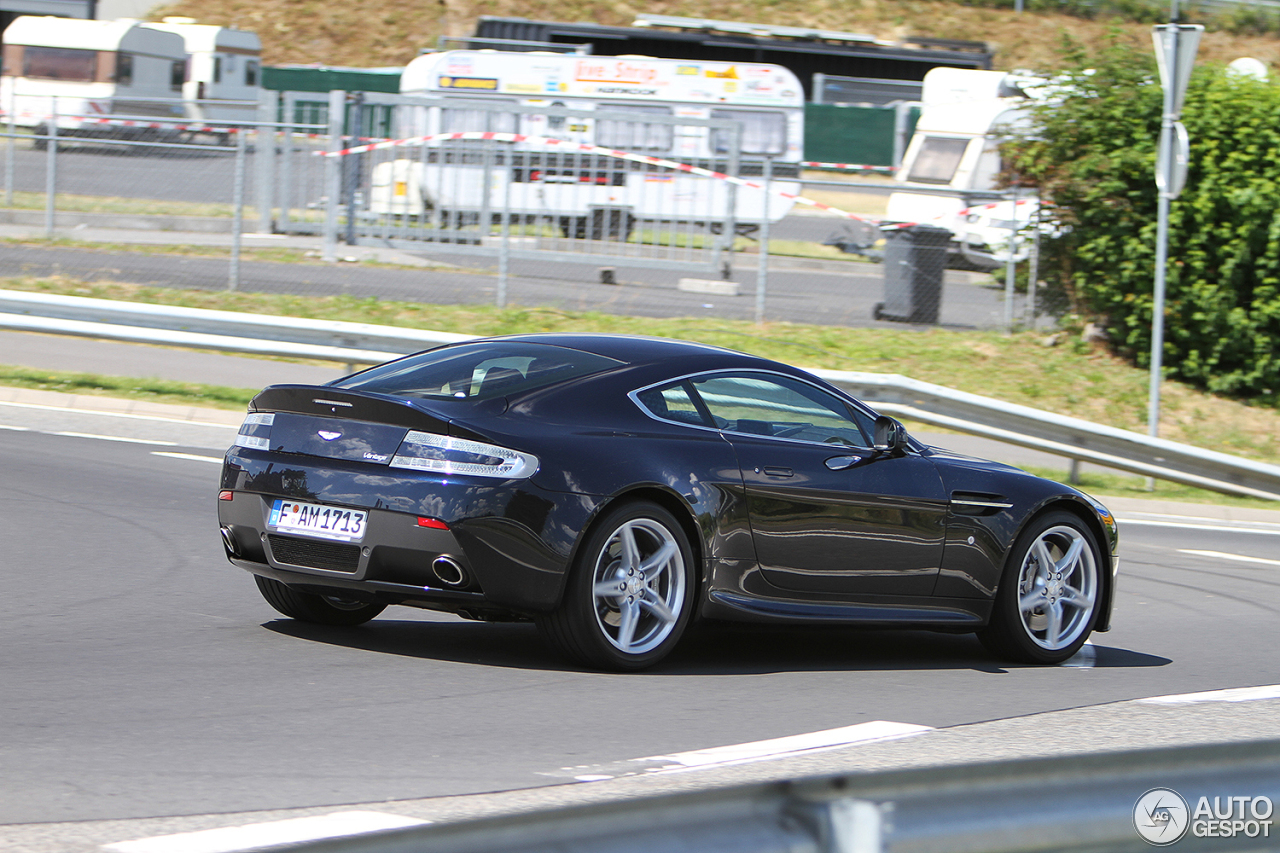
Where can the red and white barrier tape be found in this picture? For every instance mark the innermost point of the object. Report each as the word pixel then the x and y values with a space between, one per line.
pixel 965 212
pixel 585 148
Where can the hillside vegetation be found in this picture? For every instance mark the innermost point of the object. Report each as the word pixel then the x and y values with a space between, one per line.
pixel 386 32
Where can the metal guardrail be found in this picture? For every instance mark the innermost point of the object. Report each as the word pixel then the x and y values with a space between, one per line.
pixel 225 331
pixel 1069 803
pixel 1061 435
pixel 361 343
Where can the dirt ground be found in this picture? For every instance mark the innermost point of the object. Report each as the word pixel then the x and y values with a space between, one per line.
pixel 370 33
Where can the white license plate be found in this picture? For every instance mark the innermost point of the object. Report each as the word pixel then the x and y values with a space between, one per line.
pixel 324 522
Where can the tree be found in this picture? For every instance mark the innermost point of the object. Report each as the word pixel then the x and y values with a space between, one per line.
pixel 1092 155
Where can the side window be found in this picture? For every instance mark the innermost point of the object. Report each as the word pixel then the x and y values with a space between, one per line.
pixel 59 63
pixel 762 132
pixel 780 407
pixel 637 135
pixel 460 120
pixel 672 403
pixel 124 69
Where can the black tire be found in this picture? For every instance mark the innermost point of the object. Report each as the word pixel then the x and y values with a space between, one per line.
pixel 591 624
pixel 1047 602
pixel 319 609
pixel 877 311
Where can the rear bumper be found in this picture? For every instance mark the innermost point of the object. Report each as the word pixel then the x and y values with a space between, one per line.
pixel 512 540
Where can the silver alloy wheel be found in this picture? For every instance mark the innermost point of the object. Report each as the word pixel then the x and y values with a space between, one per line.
pixel 638 586
pixel 1057 587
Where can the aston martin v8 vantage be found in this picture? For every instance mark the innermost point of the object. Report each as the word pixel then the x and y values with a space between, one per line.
pixel 614 488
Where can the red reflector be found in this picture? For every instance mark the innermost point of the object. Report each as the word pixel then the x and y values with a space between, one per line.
pixel 433 523
pixel 225 495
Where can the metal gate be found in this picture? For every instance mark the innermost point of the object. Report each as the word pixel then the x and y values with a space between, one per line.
pixel 478 177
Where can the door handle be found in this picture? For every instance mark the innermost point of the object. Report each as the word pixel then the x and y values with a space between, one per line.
pixel 778 472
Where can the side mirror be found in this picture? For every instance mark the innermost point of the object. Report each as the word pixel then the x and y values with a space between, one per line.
pixel 891 436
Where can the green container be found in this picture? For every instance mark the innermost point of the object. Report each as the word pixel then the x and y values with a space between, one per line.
pixel 834 133
pixel 377 120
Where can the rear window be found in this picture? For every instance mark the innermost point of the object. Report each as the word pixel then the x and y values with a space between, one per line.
pixel 478 371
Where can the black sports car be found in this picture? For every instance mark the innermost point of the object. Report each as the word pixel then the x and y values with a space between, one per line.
pixel 615 488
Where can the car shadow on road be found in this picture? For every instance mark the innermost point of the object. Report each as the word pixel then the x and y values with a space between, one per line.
pixel 705 650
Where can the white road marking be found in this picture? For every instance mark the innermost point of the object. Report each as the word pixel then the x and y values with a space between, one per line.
pixel 258 835
pixel 114 414
pixel 15 428
pixel 1221 555
pixel 793 745
pixel 217 460
pixel 1234 694
pixel 115 438
pixel 743 753
pixel 1272 530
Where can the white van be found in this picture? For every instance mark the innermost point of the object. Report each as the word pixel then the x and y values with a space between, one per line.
pixel 767 99
pixel 223 64
pixel 964 117
pixel 86 70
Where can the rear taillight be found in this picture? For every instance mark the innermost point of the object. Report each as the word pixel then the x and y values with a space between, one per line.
pixel 255 432
pixel 443 454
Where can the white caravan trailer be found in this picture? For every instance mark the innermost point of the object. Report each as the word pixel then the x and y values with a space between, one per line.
pixel 87 70
pixel 223 64
pixel 965 116
pixel 767 99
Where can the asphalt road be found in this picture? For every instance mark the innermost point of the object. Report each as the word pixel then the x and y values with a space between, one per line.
pixel 204 175
pixel 834 294
pixel 145 677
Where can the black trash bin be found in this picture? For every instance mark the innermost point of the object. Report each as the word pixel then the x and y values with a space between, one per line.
pixel 914 260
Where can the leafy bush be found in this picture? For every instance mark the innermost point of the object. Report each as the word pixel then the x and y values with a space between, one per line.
pixel 1093 154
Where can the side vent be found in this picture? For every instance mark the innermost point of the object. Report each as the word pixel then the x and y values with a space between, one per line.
pixel 978 503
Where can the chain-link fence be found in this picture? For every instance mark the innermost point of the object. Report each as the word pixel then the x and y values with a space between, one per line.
pixel 654 215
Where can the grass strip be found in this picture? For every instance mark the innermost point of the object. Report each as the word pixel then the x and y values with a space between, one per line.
pixel 150 389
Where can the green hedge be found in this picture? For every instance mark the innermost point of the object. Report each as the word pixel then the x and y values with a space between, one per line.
pixel 1093 154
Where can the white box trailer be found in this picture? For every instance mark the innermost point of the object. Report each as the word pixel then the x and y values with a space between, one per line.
pixel 768 100
pixel 83 71
pixel 223 64
pixel 964 117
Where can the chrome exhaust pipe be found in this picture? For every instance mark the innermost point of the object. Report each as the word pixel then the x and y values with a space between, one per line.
pixel 449 571
pixel 229 541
